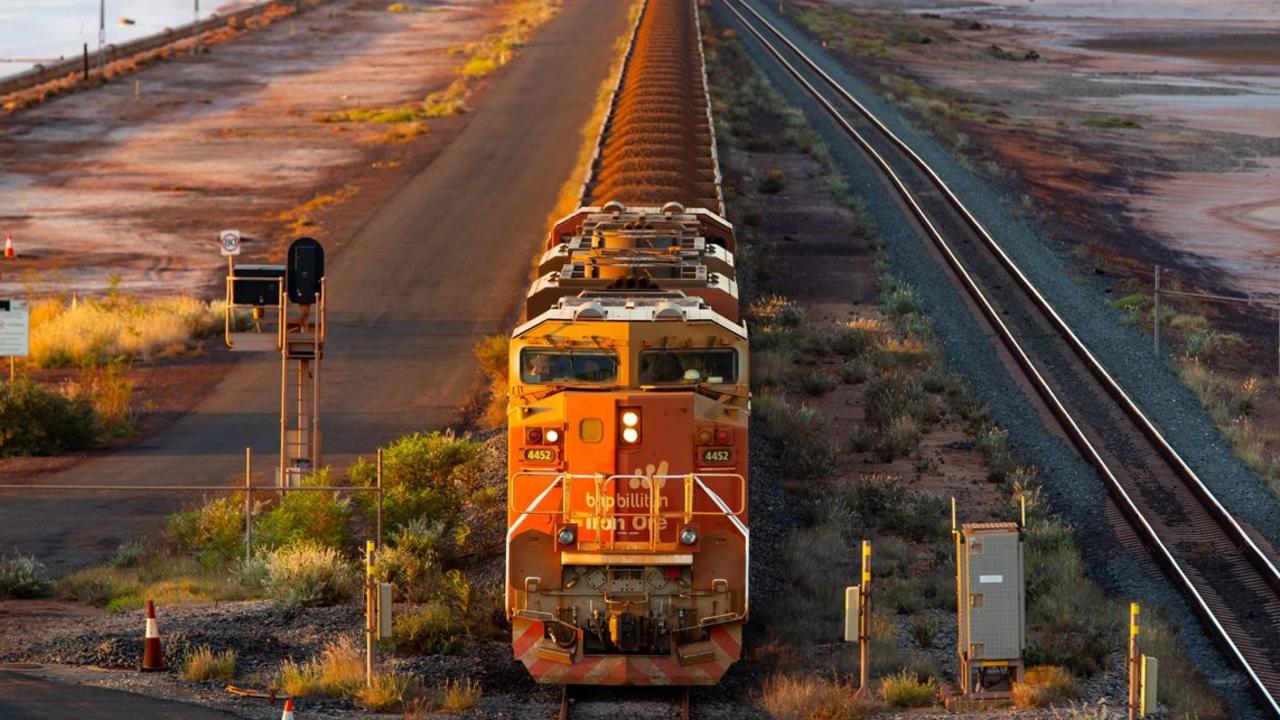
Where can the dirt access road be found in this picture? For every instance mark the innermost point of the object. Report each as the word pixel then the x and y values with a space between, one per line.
pixel 436 267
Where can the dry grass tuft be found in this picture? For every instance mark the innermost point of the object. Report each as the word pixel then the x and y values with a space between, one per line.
pixel 202 663
pixel 389 692
pixel 1043 685
pixel 906 689
pixel 459 695
pixel 338 672
pixel 809 697
pixel 90 333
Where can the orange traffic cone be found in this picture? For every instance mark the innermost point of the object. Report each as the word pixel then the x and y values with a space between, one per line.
pixel 151 658
pixel 9 252
pixel 288 710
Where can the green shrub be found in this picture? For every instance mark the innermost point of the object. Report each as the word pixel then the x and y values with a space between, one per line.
pixel 432 629
pixel 22 576
pixel 312 516
pixel 424 475
pixel 309 575
pixel 411 561
pixel 905 689
pixel 37 421
pixel 855 372
pixel 214 532
pixel 128 554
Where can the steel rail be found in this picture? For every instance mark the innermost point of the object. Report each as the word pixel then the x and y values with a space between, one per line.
pixel 1227 523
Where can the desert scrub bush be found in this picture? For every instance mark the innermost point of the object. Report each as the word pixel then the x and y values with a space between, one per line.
pixel 776 311
pixel 309 575
pixel 22 576
pixel 338 672
pixel 897 299
pixel 772 182
pixel 35 420
pixel 432 629
pixel 815 383
pixel 202 663
pixel 88 333
pixel 769 368
pixel 1111 122
pixel 1182 688
pixel 923 630
pixel 856 337
pixel 1069 622
pixel 883 502
pixel 905 689
pixel 389 692
pixel 807 453
pixel 901 595
pixel 213 532
pixel 313 516
pixel 802 698
pixel 423 475
pixel 994 444
pixel 1043 685
pixel 164 577
pixel 855 372
pixel 412 559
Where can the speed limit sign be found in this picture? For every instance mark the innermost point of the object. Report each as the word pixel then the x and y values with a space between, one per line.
pixel 229 242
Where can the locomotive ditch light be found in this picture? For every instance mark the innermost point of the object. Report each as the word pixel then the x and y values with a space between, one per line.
pixel 630 418
pixel 568 535
pixel 552 435
pixel 689 535
pixel 630 435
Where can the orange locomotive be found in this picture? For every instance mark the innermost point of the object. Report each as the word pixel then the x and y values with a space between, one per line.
pixel 627 542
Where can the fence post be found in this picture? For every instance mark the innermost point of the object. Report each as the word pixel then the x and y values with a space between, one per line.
pixel 1156 314
pixel 248 505
pixel 379 536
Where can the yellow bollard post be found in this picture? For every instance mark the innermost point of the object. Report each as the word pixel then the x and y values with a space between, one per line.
pixel 1134 662
pixel 369 608
pixel 864 619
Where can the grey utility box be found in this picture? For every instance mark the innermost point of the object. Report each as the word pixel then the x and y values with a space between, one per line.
pixel 991 602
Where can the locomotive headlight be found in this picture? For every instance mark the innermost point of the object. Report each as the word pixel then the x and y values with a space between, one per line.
pixel 568 535
pixel 629 419
pixel 552 435
pixel 689 536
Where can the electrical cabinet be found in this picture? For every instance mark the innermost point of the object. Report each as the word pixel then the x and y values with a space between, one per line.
pixel 990 599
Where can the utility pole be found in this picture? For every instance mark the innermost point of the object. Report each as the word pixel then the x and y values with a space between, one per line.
pixel 1156 314
pixel 102 39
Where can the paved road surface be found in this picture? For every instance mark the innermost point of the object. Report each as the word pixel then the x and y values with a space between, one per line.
pixel 441 264
pixel 23 697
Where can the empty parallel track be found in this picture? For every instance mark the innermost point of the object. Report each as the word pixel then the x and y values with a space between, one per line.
pixel 1227 572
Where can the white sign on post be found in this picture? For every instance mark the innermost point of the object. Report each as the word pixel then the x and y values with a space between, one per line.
pixel 15 329
pixel 229 242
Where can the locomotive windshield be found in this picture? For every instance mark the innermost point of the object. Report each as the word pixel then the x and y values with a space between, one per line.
pixel 665 367
pixel 545 367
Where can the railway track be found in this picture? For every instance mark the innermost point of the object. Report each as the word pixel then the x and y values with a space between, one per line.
pixel 1227 572
pixel 677 708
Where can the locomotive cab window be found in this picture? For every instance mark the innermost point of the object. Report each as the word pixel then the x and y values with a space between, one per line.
pixel 687 367
pixel 544 367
